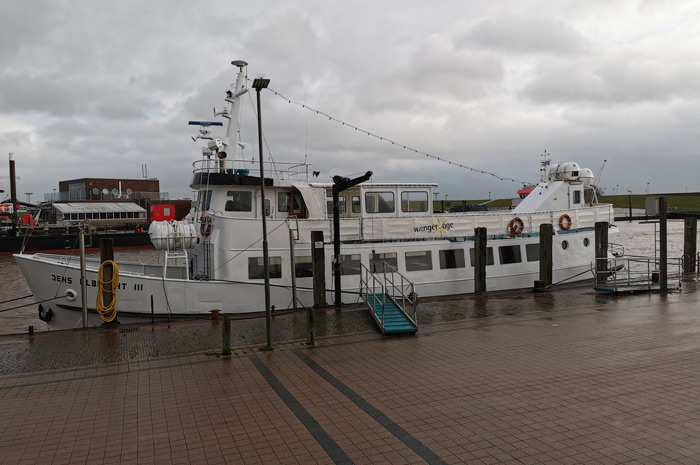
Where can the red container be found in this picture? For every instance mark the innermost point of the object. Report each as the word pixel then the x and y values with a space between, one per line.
pixel 162 212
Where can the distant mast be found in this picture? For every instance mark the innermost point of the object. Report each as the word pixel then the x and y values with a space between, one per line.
pixel 544 164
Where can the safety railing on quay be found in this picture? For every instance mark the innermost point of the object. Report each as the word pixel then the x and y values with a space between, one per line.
pixel 634 272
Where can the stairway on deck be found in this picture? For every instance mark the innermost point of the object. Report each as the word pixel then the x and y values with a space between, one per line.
pixel 395 321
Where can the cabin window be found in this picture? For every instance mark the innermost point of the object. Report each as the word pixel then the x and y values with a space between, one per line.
pixel 283 202
pixel 533 252
pixel 564 245
pixel 356 207
pixel 419 261
pixel 204 200
pixel 586 242
pixel 489 256
pixel 350 264
pixel 379 202
pixel 239 201
pixel 329 204
pixel 303 267
pixel 577 197
pixel 376 260
pixel 451 259
pixel 509 254
pixel 414 201
pixel 256 268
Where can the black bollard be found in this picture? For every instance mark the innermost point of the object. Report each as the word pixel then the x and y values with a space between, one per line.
pixel 226 336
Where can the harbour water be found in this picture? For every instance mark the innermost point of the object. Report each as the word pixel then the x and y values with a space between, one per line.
pixel 637 239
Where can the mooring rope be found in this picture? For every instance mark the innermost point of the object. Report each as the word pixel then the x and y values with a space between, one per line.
pixel 107 312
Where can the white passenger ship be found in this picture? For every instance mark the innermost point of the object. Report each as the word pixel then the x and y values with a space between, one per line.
pixel 212 260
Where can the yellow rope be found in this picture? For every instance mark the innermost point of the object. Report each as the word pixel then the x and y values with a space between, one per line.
pixel 107 312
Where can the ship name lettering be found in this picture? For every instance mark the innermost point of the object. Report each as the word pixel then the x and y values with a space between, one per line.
pixel 61 279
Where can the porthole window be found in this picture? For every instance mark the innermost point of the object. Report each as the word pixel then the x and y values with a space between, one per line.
pixel 564 245
pixel 586 242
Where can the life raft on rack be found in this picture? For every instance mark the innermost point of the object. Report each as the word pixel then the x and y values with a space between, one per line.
pixel 565 222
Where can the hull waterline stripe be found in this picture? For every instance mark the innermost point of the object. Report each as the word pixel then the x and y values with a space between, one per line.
pixel 322 437
pixel 401 434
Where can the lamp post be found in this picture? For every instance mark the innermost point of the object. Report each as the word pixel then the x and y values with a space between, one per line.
pixel 647 188
pixel 258 85
pixel 629 193
pixel 617 188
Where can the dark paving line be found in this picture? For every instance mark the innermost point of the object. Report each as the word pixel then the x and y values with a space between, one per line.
pixel 322 437
pixel 401 434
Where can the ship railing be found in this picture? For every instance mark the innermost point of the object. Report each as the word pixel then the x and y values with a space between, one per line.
pixel 282 170
pixel 616 250
pixel 634 272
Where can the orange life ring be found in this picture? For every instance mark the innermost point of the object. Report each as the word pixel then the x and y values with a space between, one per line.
pixel 3 208
pixel 515 226
pixel 205 227
pixel 565 222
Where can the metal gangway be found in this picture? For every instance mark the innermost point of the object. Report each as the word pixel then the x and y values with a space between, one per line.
pixel 626 274
pixel 391 299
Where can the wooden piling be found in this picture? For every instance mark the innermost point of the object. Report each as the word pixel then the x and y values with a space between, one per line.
pixel 690 241
pixel 479 260
pixel 546 233
pixel 601 251
pixel 319 269
pixel 663 246
pixel 106 254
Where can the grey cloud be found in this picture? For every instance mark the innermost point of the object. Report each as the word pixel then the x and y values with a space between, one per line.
pixel 620 79
pixel 524 34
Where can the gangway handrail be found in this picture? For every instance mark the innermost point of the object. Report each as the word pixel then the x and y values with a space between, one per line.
pixel 365 275
pixel 370 283
pixel 411 297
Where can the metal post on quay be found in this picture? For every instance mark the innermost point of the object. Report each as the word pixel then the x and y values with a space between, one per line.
pixel 258 85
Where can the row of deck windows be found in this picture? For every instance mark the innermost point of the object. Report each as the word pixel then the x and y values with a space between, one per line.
pixel 375 202
pixel 103 216
pixel 415 261
pixel 382 202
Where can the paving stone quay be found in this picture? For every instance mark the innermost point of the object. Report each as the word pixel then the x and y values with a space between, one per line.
pixel 567 376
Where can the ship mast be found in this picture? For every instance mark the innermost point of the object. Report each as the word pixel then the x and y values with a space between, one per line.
pixel 233 109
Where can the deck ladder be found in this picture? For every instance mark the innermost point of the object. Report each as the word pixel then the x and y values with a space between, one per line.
pixel 390 298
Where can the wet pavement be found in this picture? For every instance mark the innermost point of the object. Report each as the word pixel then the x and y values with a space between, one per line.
pixel 567 376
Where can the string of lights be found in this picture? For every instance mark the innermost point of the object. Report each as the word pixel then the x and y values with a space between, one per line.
pixel 392 142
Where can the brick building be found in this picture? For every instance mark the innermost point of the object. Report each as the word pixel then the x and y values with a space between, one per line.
pixel 109 189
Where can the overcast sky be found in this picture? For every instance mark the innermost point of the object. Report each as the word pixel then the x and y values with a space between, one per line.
pixel 98 89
